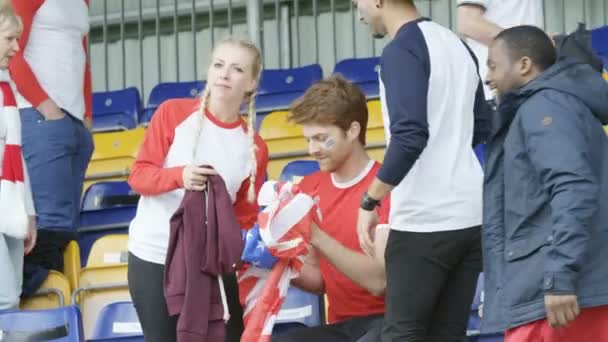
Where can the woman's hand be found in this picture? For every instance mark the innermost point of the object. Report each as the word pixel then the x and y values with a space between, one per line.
pixel 195 178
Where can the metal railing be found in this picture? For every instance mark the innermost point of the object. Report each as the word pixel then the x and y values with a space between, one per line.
pixel 142 43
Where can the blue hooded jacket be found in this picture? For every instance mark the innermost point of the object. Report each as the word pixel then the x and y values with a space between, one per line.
pixel 545 228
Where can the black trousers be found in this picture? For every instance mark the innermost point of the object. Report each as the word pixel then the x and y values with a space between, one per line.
pixel 146 288
pixel 431 280
pixel 358 329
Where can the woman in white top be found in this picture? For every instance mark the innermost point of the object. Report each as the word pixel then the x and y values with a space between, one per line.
pixel 184 134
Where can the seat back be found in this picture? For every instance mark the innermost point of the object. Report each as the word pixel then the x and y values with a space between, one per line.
pixel 98 223
pixel 67 318
pixel 117 320
pixel 109 250
pixel 169 90
pixel 300 308
pixel 104 195
pixel 53 293
pixel 363 72
pixel 284 140
pixel 114 155
pixel 116 110
pixel 278 88
pixel 98 287
pixel 375 137
pixel 294 171
pixel 71 264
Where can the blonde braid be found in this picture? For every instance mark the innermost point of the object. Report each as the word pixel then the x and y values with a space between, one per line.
pixel 251 117
pixel 203 106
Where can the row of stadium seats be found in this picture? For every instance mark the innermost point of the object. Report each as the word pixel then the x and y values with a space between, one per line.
pixel 123 109
pixel 115 152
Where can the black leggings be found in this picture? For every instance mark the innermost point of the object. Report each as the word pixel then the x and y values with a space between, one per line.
pixel 146 288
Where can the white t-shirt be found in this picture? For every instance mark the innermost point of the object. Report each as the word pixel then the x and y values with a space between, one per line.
pixel 506 14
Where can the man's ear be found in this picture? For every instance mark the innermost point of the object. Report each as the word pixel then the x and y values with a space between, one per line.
pixel 353 131
pixel 525 66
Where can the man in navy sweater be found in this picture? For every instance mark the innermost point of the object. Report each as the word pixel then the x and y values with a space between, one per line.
pixel 434 112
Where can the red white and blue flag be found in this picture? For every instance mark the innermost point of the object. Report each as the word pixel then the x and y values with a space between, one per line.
pixel 285 228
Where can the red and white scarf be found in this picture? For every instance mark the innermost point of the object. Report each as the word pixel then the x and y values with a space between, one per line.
pixel 285 228
pixel 13 213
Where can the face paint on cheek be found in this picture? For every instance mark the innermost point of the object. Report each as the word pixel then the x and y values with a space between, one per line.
pixel 328 144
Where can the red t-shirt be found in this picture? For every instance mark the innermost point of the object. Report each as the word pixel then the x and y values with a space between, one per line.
pixel 339 204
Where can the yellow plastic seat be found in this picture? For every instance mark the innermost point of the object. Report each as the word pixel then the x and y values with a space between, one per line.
pixel 375 125
pixel 98 287
pixel 376 138
pixel 114 154
pixel 284 140
pixel 109 250
pixel 71 264
pixel 53 293
pixel 606 129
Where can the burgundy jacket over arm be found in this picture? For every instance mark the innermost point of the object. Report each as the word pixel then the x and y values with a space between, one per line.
pixel 205 242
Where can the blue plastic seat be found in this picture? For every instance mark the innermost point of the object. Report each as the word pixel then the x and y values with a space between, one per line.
pixel 363 72
pixel 104 195
pixel 107 208
pixel 278 88
pixel 116 110
pixel 297 169
pixel 169 90
pixel 300 309
pixel 117 320
pixel 66 321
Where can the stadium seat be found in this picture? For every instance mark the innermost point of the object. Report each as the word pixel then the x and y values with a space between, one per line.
pixel 60 325
pixel 376 136
pixel 279 87
pixel 295 170
pixel 109 250
pixel 363 72
pixel 98 287
pixel 114 155
pixel 606 129
pixel 71 264
pixel 284 140
pixel 117 320
pixel 97 223
pixel 299 309
pixel 53 293
pixel 104 195
pixel 116 110
pixel 169 90
pixel 107 208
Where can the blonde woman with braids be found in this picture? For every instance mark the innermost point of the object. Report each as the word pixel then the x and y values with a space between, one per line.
pixel 183 134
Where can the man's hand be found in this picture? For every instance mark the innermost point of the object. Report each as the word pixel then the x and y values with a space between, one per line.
pixel 32 234
pixel 366 223
pixel 561 309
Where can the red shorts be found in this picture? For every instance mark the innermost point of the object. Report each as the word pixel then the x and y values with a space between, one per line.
pixel 591 325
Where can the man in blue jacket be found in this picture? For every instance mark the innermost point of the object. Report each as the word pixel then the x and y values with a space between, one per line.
pixel 545 235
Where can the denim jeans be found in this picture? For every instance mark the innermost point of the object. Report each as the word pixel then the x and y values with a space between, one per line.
pixel 56 154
